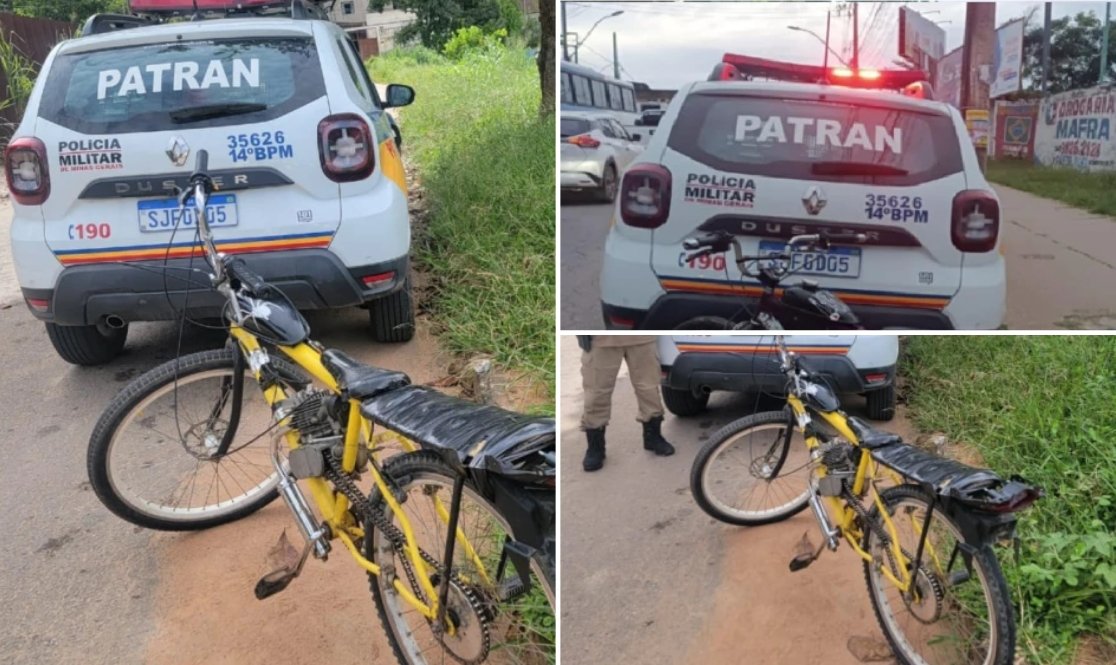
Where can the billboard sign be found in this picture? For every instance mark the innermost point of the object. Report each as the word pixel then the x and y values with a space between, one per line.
pixel 1007 59
pixel 1014 128
pixel 977 121
pixel 1075 129
pixel 947 84
pixel 919 36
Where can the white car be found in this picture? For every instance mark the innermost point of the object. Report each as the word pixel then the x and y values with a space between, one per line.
pixel 596 149
pixel 312 187
pixel 696 365
pixel 768 160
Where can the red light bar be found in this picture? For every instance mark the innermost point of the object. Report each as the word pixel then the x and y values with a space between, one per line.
pixel 891 79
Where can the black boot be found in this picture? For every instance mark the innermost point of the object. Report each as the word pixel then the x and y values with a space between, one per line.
pixel 653 438
pixel 595 455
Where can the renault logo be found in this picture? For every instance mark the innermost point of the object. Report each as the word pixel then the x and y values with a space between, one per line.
pixel 814 200
pixel 178 151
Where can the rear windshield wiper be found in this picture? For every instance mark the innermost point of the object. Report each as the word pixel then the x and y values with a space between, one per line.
pixel 854 168
pixel 215 111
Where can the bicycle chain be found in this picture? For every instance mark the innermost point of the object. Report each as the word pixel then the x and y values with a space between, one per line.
pixel 398 540
pixel 885 539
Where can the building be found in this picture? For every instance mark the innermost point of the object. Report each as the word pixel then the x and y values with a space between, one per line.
pixel 645 94
pixel 349 13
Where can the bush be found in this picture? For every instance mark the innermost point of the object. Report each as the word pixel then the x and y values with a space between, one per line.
pixel 1042 407
pixel 486 161
pixel 474 40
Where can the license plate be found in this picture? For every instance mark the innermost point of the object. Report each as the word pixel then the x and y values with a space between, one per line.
pixel 157 215
pixel 837 262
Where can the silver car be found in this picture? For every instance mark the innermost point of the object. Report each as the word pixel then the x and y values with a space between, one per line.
pixel 595 151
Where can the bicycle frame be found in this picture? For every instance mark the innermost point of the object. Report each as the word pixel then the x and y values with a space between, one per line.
pixel 334 506
pixel 866 473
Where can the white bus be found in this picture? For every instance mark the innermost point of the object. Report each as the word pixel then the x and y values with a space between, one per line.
pixel 586 90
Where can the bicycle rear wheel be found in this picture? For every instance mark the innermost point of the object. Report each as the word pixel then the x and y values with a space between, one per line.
pixel 494 623
pixel 959 615
pixel 753 471
pixel 151 456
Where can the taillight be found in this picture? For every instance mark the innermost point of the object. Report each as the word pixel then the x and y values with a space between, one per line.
pixel 25 163
pixel 875 378
pixel 621 322
pixel 38 304
pixel 975 221
pixel 842 73
pixel 645 196
pixel 378 278
pixel 869 74
pixel 584 141
pixel 346 147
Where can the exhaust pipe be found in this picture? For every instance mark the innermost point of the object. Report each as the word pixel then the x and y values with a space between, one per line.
pixel 115 322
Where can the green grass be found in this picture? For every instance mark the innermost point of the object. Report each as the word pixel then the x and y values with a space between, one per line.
pixel 1095 192
pixel 487 163
pixel 1043 407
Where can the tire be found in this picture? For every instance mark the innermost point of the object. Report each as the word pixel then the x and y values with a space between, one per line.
pixel 988 575
pixel 132 398
pixel 87 345
pixel 609 185
pixel 423 470
pixel 392 318
pixel 881 403
pixel 721 441
pixel 684 403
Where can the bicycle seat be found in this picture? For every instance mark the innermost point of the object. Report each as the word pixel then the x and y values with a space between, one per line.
pixel 359 380
pixel 941 474
pixel 871 437
pixel 466 433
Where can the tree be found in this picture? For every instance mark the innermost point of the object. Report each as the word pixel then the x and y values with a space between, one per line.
pixel 65 10
pixel 546 57
pixel 437 20
pixel 1075 45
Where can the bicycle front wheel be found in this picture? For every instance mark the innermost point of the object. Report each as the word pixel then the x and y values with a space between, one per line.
pixel 753 471
pixel 957 614
pixel 495 620
pixel 152 455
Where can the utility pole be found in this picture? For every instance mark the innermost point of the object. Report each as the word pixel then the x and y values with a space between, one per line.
pixel 1045 49
pixel 615 59
pixel 565 49
pixel 856 36
pixel 966 58
pixel 825 57
pixel 1104 43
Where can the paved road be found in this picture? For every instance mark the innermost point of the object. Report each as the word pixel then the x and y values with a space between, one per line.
pixel 647 577
pixel 1059 261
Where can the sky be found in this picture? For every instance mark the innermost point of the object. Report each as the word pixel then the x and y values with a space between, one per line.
pixel 667 43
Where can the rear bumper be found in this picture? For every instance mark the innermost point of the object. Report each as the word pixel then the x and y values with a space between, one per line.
pixel 311 278
pixel 747 371
pixel 671 310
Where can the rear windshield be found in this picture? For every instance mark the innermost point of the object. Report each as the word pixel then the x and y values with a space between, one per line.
pixel 155 86
pixel 574 126
pixel 816 140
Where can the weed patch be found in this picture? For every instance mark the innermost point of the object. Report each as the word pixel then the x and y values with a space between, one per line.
pixel 1095 192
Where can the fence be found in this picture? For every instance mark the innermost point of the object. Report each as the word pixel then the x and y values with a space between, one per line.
pixel 34 38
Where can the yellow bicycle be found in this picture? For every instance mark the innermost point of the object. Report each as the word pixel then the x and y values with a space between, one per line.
pixel 456 531
pixel 924 526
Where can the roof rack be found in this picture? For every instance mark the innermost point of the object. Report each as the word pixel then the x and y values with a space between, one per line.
pixel 153 12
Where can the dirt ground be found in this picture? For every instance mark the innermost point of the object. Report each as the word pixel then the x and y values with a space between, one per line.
pixel 647 577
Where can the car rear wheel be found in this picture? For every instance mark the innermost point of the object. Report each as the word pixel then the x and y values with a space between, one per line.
pixel 881 403
pixel 392 318
pixel 87 345
pixel 683 402
pixel 607 192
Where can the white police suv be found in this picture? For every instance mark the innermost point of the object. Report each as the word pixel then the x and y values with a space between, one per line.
pixel 858 152
pixel 311 183
pixel 694 366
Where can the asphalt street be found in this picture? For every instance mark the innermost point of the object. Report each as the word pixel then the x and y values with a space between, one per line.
pixel 1059 261
pixel 647 577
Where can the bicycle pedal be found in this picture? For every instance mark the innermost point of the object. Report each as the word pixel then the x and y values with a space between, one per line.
pixel 274 582
pixel 802 560
pixel 511 589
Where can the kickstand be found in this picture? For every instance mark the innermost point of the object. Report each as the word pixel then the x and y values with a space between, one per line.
pixel 278 579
